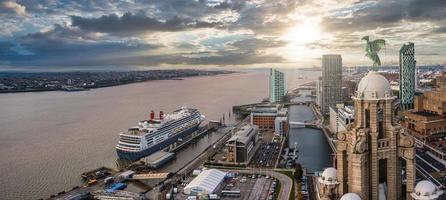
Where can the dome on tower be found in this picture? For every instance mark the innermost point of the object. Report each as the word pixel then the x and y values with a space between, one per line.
pixel 426 190
pixel 329 176
pixel 350 196
pixel 373 86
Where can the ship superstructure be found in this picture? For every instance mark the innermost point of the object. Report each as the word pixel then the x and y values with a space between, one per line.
pixel 155 134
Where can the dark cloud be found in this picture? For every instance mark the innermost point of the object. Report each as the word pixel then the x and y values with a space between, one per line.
pixel 134 23
pixel 6 48
pixel 68 44
pixel 270 17
pixel 71 46
pixel 388 13
pixel 440 30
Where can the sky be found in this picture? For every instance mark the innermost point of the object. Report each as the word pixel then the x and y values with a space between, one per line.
pixel 44 34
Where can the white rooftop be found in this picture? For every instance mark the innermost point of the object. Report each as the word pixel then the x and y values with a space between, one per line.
pixel 374 86
pixel 350 196
pixel 426 190
pixel 206 182
pixel 329 176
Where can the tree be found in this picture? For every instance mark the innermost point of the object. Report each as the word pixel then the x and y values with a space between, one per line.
pixel 298 173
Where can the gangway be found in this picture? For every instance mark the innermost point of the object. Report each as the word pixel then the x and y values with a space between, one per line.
pixel 150 176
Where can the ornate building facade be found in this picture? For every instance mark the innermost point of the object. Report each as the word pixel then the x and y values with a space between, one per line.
pixel 372 151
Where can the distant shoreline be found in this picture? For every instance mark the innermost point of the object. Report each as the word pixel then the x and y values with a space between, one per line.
pixel 110 82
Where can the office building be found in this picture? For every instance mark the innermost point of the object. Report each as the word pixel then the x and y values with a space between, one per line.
pixel 241 146
pixel 331 82
pixel 407 76
pixel 277 89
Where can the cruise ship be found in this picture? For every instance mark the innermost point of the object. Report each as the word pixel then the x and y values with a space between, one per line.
pixel 155 134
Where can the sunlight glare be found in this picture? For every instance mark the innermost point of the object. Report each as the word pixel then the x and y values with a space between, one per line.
pixel 304 33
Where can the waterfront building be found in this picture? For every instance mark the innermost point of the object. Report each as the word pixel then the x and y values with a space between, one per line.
pixel 331 81
pixel 319 92
pixel 207 182
pixel 340 117
pixel 407 75
pixel 264 115
pixel 276 86
pixel 242 144
pixel 372 151
pixel 281 126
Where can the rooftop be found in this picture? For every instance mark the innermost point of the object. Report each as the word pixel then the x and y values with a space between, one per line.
pixel 373 86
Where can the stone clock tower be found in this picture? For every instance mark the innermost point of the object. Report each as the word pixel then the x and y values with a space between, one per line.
pixel 373 150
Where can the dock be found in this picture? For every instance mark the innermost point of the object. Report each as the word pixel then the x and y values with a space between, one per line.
pixel 157 159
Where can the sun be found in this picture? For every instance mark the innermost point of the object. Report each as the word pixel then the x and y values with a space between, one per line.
pixel 303 33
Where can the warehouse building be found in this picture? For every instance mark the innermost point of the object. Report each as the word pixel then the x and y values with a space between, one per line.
pixel 207 182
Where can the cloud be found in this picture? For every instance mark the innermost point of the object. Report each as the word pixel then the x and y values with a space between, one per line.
pixel 11 6
pixel 387 13
pixel 440 30
pixel 136 23
pixel 257 44
pixel 6 48
pixel 70 45
pixel 202 58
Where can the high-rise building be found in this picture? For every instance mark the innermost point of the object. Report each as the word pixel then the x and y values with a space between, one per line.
pixel 407 75
pixel 319 92
pixel 331 81
pixel 373 150
pixel 276 86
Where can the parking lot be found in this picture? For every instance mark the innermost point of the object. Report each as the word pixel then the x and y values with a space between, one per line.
pixel 259 187
pixel 251 187
pixel 266 156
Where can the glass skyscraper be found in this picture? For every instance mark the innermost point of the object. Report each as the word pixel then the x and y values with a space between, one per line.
pixel 276 86
pixel 407 75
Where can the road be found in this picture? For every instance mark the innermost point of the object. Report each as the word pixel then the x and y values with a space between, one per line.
pixel 285 181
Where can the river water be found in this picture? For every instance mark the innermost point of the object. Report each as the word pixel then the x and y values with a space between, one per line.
pixel 48 139
pixel 314 151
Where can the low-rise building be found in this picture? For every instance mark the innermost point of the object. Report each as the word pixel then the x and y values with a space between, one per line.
pixel 241 146
pixel 340 117
pixel 428 118
pixel 264 116
pixel 207 182
pixel 272 117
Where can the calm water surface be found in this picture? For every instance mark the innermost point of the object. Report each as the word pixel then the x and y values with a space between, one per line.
pixel 48 139
pixel 314 151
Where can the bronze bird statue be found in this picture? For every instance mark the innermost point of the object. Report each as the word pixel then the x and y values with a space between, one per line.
pixel 372 49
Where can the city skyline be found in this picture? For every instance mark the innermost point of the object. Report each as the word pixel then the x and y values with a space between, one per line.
pixel 120 34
